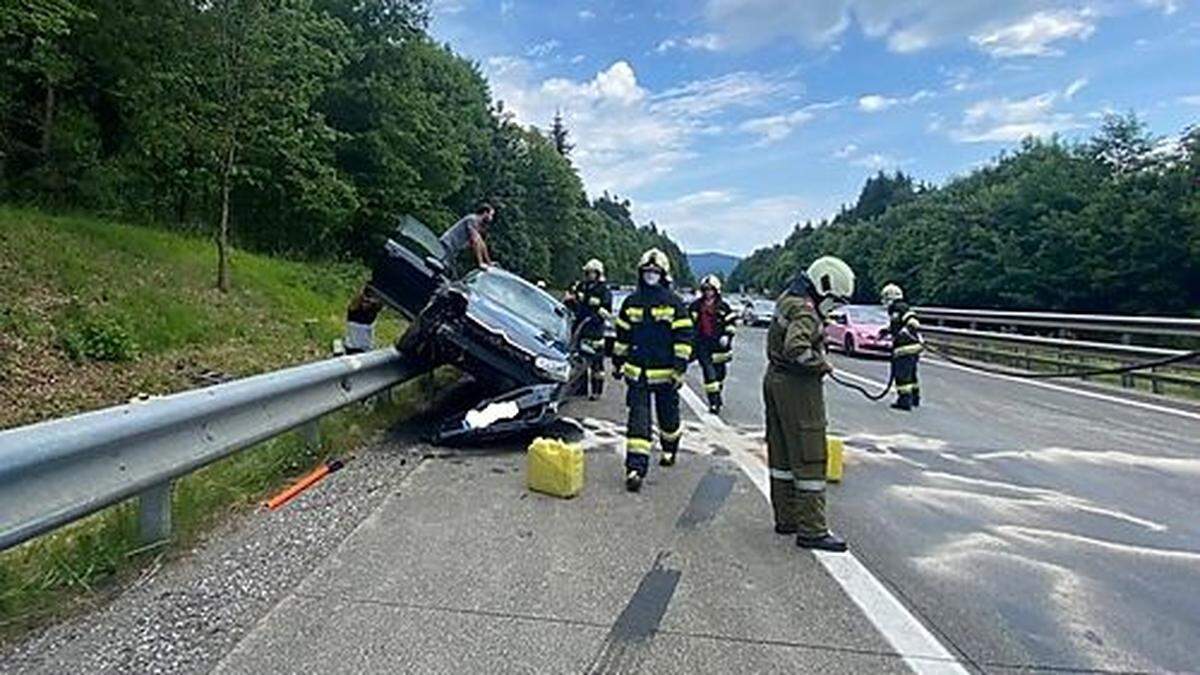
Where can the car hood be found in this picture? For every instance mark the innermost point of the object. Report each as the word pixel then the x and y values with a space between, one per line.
pixel 496 318
pixel 867 329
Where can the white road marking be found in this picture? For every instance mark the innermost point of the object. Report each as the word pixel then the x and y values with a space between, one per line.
pixel 922 652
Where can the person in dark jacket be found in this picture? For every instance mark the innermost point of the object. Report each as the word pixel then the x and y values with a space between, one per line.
pixel 364 308
pixel 651 353
pixel 591 301
pixel 715 325
pixel 907 346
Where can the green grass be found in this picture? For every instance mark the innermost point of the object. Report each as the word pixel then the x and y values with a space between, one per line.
pixel 94 312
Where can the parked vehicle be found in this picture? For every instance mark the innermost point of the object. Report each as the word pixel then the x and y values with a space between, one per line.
pixel 512 336
pixel 758 312
pixel 854 329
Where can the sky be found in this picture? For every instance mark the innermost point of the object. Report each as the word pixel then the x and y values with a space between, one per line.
pixel 728 121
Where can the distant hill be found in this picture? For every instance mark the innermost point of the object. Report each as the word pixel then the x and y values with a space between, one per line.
pixel 712 263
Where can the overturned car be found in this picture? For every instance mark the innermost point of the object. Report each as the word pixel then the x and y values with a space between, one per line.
pixel 515 339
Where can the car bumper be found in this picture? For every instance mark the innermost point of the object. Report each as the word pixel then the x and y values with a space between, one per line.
pixel 518 411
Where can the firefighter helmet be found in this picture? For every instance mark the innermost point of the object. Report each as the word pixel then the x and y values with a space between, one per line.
pixel 891 293
pixel 594 265
pixel 711 281
pixel 832 278
pixel 654 258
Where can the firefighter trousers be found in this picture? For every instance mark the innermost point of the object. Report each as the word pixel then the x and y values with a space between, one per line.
pixel 638 440
pixel 595 367
pixel 795 407
pixel 904 370
pixel 714 365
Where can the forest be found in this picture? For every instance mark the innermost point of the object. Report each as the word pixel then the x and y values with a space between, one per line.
pixel 1107 224
pixel 300 128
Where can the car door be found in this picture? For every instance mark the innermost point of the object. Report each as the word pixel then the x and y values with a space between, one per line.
pixel 411 268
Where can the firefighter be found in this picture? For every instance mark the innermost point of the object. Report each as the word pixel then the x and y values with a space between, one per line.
pixel 651 353
pixel 591 300
pixel 907 346
pixel 715 325
pixel 795 401
pixel 360 321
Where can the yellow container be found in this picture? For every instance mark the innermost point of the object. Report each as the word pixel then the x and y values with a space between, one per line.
pixel 554 467
pixel 833 459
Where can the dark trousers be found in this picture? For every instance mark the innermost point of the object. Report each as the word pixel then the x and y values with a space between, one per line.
pixel 714 365
pixel 595 363
pixel 904 370
pixel 638 440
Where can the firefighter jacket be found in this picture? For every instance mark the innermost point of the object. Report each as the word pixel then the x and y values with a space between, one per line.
pixel 796 338
pixel 592 305
pixel 654 336
pixel 905 329
pixel 724 326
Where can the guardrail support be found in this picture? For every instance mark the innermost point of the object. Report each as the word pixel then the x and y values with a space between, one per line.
pixel 311 433
pixel 154 513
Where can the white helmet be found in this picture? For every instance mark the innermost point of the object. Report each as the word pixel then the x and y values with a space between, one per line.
pixel 711 281
pixel 657 259
pixel 594 265
pixel 891 293
pixel 832 279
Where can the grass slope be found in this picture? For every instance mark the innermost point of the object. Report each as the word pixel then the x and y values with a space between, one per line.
pixel 93 313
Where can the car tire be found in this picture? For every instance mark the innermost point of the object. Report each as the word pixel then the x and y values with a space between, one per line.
pixel 848 346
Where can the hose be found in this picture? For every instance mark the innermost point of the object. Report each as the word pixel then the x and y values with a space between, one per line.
pixel 863 390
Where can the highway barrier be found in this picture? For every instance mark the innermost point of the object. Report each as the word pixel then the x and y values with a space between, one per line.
pixel 1070 342
pixel 55 472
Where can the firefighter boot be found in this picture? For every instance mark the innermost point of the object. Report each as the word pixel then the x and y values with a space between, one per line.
pixel 633 481
pixel 827 542
pixel 903 402
pixel 916 398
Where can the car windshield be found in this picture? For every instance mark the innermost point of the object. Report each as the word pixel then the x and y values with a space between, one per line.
pixel 869 315
pixel 526 302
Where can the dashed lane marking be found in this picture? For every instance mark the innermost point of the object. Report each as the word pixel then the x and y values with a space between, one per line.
pixel 922 652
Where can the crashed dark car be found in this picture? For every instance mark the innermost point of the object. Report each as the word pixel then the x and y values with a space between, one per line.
pixel 515 339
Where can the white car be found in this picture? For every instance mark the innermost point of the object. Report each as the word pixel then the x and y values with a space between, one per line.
pixel 758 312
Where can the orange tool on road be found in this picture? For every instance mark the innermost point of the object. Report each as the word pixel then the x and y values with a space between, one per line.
pixel 303 484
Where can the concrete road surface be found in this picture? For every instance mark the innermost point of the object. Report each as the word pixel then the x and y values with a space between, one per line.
pixel 1028 526
pixel 464 570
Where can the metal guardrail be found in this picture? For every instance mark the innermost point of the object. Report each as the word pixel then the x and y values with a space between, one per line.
pixel 1060 350
pixel 56 472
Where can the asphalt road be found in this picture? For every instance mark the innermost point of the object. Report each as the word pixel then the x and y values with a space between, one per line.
pixel 1028 526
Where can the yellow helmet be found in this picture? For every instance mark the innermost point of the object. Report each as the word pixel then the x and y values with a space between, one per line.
pixel 711 281
pixel 891 293
pixel 594 265
pixel 832 278
pixel 657 259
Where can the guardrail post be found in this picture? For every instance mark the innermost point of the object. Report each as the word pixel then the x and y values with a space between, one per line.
pixel 1155 384
pixel 311 433
pixel 154 513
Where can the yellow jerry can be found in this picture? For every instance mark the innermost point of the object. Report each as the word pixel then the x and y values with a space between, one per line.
pixel 554 467
pixel 833 459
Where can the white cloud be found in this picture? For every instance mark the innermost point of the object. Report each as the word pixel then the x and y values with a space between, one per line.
pixel 1004 120
pixel 447 7
pixel 846 151
pixel 1033 35
pixel 578 58
pixel 726 220
pixel 1190 100
pixel 1002 28
pixel 709 42
pixel 878 103
pixel 876 161
pixel 625 135
pixel 586 14
pixel 542 49
pixel 507 7
pixel 1074 88
pixel 774 128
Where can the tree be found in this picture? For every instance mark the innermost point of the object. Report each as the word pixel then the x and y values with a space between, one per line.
pixel 559 133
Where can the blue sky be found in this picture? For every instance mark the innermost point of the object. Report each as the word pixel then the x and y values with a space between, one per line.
pixel 727 121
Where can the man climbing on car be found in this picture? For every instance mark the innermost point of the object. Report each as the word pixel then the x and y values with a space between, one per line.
pixel 651 353
pixel 591 301
pixel 715 327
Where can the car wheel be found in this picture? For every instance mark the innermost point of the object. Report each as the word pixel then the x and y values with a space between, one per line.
pixel 849 345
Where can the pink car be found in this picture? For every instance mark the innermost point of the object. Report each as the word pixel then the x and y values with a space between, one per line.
pixel 854 329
